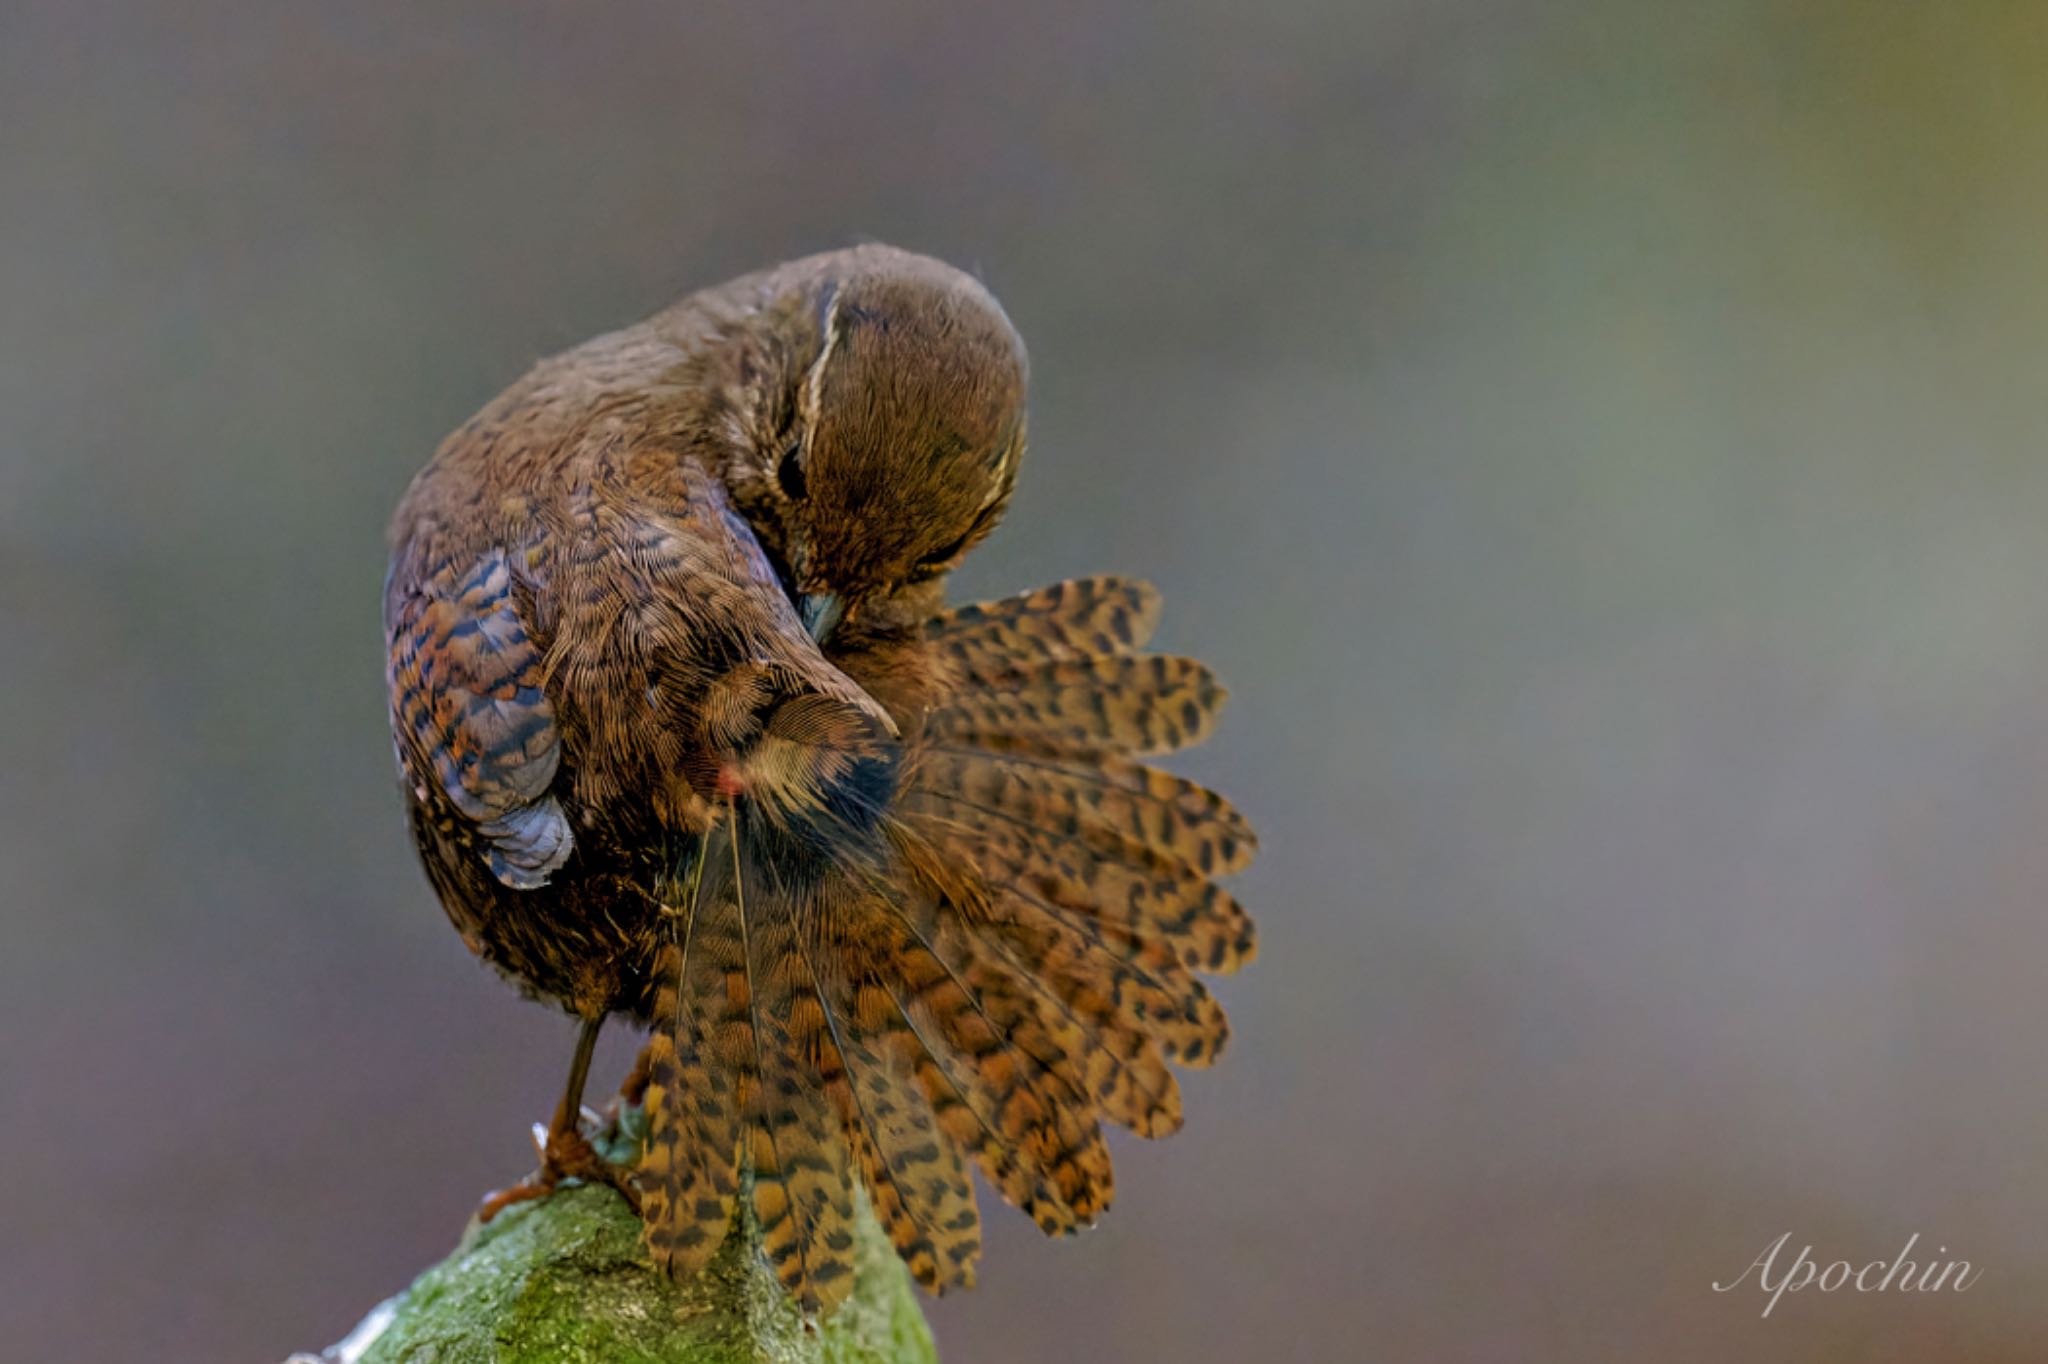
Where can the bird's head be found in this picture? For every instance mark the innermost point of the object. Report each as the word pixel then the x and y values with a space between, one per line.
pixel 892 445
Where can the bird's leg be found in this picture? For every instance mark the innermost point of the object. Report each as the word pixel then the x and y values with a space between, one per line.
pixel 565 1153
pixel 570 1111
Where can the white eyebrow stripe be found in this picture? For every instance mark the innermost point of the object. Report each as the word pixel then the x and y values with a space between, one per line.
pixel 995 494
pixel 814 382
pixel 1011 450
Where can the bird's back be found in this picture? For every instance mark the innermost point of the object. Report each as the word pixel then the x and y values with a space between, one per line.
pixel 588 648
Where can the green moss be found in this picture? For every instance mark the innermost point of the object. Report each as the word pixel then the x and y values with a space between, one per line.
pixel 567 1280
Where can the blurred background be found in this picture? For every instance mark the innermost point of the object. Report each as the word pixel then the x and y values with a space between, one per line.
pixel 1599 441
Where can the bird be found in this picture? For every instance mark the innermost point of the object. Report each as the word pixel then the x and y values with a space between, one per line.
pixel 688 732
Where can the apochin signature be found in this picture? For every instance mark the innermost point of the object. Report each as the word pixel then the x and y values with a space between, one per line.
pixel 1897 1275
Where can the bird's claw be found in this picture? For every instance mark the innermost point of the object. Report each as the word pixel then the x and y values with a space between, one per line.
pixel 565 1154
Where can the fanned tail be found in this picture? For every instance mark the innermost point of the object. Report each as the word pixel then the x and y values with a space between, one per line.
pixel 1077 879
pixel 977 946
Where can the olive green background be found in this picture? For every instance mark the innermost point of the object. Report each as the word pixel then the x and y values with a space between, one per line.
pixel 1600 442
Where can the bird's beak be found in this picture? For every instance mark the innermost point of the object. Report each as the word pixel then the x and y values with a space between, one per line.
pixel 820 612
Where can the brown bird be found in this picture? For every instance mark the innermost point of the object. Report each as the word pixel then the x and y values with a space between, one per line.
pixel 687 733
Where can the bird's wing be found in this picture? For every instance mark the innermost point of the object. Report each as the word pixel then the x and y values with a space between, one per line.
pixel 469 715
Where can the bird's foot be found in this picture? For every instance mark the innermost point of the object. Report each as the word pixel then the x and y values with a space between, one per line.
pixel 565 1154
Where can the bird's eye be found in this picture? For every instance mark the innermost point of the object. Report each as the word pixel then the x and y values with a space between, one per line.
pixel 790 472
pixel 931 566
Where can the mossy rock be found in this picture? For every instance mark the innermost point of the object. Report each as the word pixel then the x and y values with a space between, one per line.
pixel 567 1280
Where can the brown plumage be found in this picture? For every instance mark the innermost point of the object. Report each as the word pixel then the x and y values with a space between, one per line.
pixel 688 734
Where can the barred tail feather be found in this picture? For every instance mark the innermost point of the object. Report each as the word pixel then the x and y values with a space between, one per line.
pixel 1122 986
pixel 1123 1072
pixel 1004 1070
pixel 689 1173
pixel 803 1190
pixel 1081 618
pixel 1002 956
pixel 1102 794
pixel 1144 894
pixel 966 1115
pixel 1148 703
pixel 918 1181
